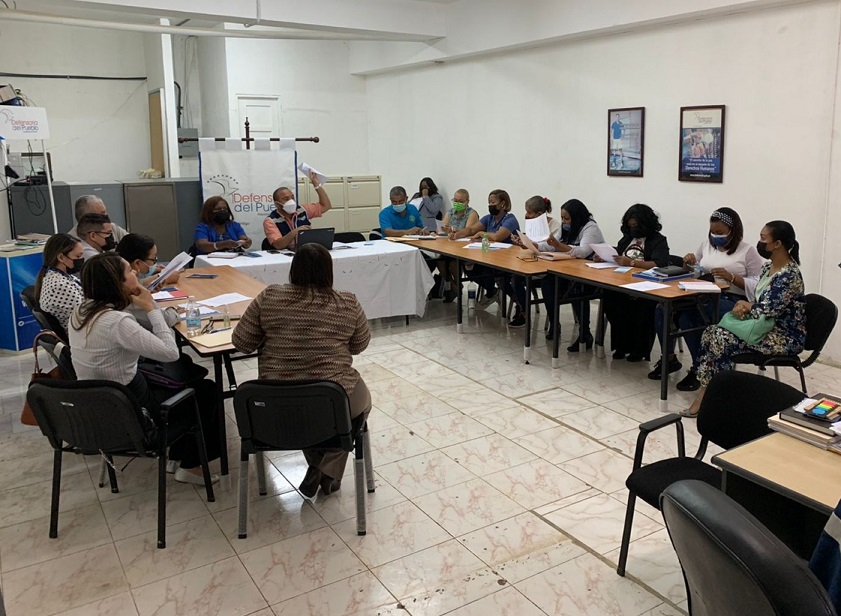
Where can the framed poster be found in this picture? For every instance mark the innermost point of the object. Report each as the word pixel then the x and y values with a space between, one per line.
pixel 625 141
pixel 701 144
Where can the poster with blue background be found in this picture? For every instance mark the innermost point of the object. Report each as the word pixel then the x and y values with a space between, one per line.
pixel 701 144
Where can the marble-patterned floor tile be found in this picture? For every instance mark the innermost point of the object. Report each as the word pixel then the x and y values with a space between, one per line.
pixel 488 454
pixel 605 469
pixel 567 501
pixel 138 513
pixel 602 390
pixel 598 522
pixel 413 405
pixel 270 520
pixel 659 445
pixel 645 406
pixel 495 367
pixel 535 483
pixel 361 594
pixel 507 602
pixel 398 358
pixel 653 561
pixel 341 505
pixel 300 564
pixel 439 579
pixel 516 421
pixel 118 605
pixel 221 589
pixel 556 402
pixel 135 475
pixel 64 583
pixel 664 609
pixel 227 496
pixel 468 506
pixel 520 547
pixel 423 474
pixel 27 470
pixel 189 545
pixel 476 399
pixel 378 420
pixel 559 444
pixel 599 422
pixel 449 429
pixel 527 381
pixel 392 533
pixel 585 586
pixel 372 372
pixel 28 543
pixel 33 501
pixel 396 444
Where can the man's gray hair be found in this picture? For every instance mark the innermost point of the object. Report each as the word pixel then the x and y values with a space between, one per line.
pixel 83 205
pixel 397 191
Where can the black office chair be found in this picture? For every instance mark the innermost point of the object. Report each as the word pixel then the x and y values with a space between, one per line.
pixel 59 352
pixel 732 565
pixel 735 410
pixel 265 244
pixel 282 415
pixel 821 315
pixel 376 234
pixel 45 319
pixel 104 418
pixel 348 237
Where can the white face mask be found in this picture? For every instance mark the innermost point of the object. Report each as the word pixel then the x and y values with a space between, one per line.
pixel 290 207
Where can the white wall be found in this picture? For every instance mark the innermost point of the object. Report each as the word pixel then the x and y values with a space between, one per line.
pixel 318 97
pixel 534 122
pixel 213 87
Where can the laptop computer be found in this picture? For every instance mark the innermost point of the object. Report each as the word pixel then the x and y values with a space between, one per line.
pixel 317 236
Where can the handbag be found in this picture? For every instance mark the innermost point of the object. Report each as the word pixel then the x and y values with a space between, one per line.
pixel 751 330
pixel 176 374
pixel 27 417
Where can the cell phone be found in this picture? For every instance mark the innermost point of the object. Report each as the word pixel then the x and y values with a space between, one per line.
pixel 203 276
pixel 273 252
pixel 253 255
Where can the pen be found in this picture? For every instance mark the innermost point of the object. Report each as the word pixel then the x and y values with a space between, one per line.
pixel 222 329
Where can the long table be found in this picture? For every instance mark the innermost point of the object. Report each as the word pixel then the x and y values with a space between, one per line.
pixel 388 279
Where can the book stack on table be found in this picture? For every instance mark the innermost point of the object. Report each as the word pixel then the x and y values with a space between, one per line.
pixel 816 421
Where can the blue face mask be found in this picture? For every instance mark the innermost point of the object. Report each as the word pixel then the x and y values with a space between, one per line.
pixel 566 226
pixel 152 270
pixel 399 208
pixel 718 241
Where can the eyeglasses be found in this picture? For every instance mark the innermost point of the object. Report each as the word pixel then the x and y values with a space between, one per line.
pixel 153 260
pixel 104 233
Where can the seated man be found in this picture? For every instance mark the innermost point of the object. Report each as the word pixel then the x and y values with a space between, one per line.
pixel 91 204
pixel 96 233
pixel 282 226
pixel 400 218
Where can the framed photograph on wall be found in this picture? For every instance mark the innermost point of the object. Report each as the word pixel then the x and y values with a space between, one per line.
pixel 701 144
pixel 625 141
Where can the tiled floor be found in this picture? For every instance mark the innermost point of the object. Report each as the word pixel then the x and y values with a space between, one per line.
pixel 500 490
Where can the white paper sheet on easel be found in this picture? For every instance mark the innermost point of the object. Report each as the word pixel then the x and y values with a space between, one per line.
pixel 537 228
pixel 305 170
pixel 606 252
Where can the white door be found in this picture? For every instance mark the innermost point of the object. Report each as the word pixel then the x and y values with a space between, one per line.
pixel 263 113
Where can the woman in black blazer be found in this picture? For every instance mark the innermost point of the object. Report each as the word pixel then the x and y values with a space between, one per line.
pixel 632 319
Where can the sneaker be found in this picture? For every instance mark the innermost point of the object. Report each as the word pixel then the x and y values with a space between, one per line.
pixel 182 475
pixel 690 382
pixel 487 300
pixel 519 320
pixel 674 366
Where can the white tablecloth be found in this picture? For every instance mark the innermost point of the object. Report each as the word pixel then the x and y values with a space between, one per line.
pixel 389 279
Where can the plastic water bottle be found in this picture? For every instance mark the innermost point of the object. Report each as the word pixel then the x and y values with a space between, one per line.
pixel 226 317
pixel 471 295
pixel 192 316
pixel 486 243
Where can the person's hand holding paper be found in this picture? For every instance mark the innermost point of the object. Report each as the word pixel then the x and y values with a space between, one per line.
pixel 308 171
pixel 605 252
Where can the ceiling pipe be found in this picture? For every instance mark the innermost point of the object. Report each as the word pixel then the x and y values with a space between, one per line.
pixel 26 16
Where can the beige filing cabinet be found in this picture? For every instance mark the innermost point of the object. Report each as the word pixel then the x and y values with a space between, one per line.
pixel 355 199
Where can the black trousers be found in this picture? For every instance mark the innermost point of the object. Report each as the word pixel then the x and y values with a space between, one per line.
pixel 631 323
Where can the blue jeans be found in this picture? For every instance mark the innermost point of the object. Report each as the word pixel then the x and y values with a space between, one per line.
pixel 687 319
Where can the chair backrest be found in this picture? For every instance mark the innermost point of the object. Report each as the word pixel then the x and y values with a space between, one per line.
pixel 59 351
pixel 45 319
pixel 732 564
pixel 375 234
pixel 737 405
pixel 279 415
pixel 676 260
pixel 265 245
pixel 90 416
pixel 821 315
pixel 348 236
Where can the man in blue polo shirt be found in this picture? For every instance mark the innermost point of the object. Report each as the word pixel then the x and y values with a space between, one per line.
pixel 400 218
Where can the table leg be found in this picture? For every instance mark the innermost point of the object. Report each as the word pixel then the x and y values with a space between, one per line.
pixel 664 360
pixel 599 343
pixel 220 401
pixel 582 343
pixel 527 308
pixel 556 328
pixel 459 277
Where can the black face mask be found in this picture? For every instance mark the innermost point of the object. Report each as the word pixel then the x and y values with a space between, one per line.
pixel 493 209
pixel 110 244
pixel 77 266
pixel 762 249
pixel 637 233
pixel 220 218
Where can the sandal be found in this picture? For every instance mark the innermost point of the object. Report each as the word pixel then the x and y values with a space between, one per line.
pixel 687 413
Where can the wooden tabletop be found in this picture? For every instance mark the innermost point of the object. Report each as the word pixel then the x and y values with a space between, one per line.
pixel 228 280
pixel 788 466
pixel 501 258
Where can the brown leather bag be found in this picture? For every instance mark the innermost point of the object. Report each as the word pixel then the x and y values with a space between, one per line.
pixel 27 417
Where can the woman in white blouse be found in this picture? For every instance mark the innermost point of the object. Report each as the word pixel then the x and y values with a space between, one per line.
pixel 730 260
pixel 107 342
pixel 57 289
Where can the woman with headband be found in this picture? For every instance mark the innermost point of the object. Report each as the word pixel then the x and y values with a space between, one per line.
pixel 732 261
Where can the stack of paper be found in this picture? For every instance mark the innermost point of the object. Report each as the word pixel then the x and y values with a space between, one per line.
pixel 700 286
pixel 223 255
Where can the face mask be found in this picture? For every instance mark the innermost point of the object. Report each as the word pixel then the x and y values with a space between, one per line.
pixel 762 249
pixel 459 207
pixel 636 233
pixel 77 266
pixel 718 241
pixel 493 209
pixel 566 226
pixel 290 207
pixel 152 270
pixel 399 207
pixel 220 218
pixel 110 244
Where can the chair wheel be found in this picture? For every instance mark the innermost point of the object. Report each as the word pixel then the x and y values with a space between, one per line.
pixel 245 536
pixel 371 491
pixel 361 533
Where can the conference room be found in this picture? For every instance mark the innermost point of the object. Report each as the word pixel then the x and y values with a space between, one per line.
pixel 496 469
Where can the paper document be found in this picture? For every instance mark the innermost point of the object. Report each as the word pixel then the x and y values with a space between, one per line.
pixel 602 265
pixel 700 287
pixel 606 252
pixel 439 226
pixel 223 255
pixel 180 261
pixel 164 296
pixel 305 170
pixel 214 339
pixel 492 246
pixel 645 286
pixel 341 246
pixel 537 228
pixel 225 298
pixel 420 237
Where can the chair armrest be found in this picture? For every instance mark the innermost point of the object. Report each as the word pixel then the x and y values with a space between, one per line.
pixel 177 399
pixel 648 427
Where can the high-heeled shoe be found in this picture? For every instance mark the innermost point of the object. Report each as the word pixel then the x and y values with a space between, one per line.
pixel 588 340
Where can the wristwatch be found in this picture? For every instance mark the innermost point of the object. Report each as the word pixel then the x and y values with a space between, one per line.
pixel 317 186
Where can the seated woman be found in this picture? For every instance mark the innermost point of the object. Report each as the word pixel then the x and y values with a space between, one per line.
pixel 107 342
pixel 431 206
pixel 218 231
pixel 141 254
pixel 460 216
pixel 498 224
pixel 57 288
pixel 297 346
pixel 632 319
pixel 730 259
pixel 778 295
